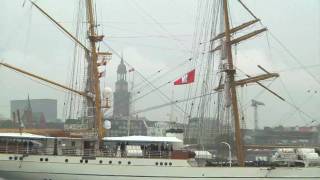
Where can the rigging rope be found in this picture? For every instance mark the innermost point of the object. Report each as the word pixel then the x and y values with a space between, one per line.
pixel 294 58
pixel 144 78
pixel 172 103
pixel 297 109
pixel 283 46
pixel 181 45
pixel 173 69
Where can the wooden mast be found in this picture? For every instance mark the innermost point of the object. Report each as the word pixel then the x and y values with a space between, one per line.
pixel 94 73
pixel 94 93
pixel 230 73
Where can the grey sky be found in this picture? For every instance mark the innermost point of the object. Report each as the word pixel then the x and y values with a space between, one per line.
pixel 158 34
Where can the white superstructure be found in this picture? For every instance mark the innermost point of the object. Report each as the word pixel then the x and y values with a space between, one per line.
pixel 136 164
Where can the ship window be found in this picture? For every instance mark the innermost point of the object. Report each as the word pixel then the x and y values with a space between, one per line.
pixel 165 163
pixel 157 163
pixel 15 158
pixel 66 160
pixel 46 159
pixel 41 159
pixel 161 163
pixel 119 162
pixel 129 162
pixel 100 161
pixel 73 143
pixel 20 158
pixel 81 161
pixel 10 158
pixel 110 162
pixel 170 163
pixel 86 161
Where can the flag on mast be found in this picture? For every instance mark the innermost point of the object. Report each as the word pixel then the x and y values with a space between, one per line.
pixel 186 79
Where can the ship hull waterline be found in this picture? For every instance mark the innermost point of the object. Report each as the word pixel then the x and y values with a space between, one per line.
pixel 56 168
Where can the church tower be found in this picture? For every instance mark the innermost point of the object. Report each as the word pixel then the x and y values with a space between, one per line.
pixel 121 96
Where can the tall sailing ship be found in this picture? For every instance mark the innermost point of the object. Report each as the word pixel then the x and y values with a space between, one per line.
pixel 34 157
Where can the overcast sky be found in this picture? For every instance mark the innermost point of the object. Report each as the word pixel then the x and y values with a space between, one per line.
pixel 158 34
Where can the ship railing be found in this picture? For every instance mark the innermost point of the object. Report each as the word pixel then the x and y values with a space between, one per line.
pixel 65 151
pixel 134 153
pixel 37 150
pixel 24 150
pixel 157 154
pixel 89 152
pixel 73 151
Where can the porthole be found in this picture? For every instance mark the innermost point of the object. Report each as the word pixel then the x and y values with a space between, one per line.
pixel 46 159
pixel 110 162
pixel 41 159
pixel 119 162
pixel 10 158
pixel 20 158
pixel 81 161
pixel 170 163
pixel 100 161
pixel 165 163
pixel 157 163
pixel 86 161
pixel 161 163
pixel 129 162
pixel 66 160
pixel 15 158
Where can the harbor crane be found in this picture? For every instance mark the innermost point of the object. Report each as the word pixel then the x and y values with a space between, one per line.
pixel 255 104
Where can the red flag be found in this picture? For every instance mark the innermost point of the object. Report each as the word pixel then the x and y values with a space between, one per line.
pixel 186 79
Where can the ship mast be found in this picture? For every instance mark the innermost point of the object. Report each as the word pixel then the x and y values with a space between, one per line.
pixel 92 92
pixel 230 71
pixel 230 76
pixel 93 38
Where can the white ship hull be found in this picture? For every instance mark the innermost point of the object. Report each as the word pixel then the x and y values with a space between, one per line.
pixel 31 168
